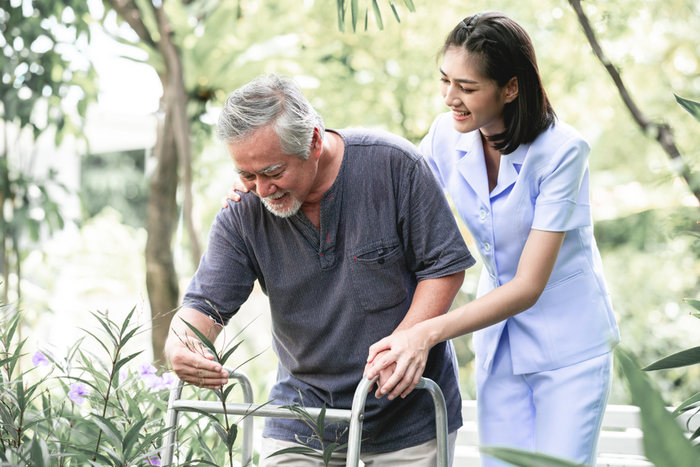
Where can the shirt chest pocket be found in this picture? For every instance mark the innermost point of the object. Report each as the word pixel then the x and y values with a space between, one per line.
pixel 378 273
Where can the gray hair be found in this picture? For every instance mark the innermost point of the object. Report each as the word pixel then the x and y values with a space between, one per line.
pixel 271 100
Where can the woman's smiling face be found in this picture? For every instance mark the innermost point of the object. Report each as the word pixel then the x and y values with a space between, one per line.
pixel 476 101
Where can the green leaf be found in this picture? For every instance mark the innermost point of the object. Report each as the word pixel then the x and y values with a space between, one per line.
pixel 355 14
pixel 340 6
pixel 120 364
pixel 522 458
pixel 228 353
pixel 676 360
pixel 149 439
pixel 108 428
pixel 206 414
pixel 127 320
pixel 294 450
pixel 695 434
pixel 126 338
pixel 132 436
pixel 206 450
pixel 688 404
pixel 97 339
pixel 410 6
pixel 665 445
pixel 203 339
pixel 693 302
pixel 227 391
pixel 328 452
pixel 377 15
pixel 321 421
pixel 396 13
pixel 232 434
pixel 692 107
pixel 108 329
pixel 39 453
pixel 221 431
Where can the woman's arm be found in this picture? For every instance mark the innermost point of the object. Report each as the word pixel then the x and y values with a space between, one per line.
pixel 409 348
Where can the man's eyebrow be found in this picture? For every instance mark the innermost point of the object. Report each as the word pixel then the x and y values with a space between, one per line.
pixel 466 81
pixel 264 171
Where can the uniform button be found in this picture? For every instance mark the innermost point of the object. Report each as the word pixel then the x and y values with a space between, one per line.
pixel 487 246
pixel 380 261
pixel 482 214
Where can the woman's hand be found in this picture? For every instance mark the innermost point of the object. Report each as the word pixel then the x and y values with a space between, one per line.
pixel 408 350
pixel 232 195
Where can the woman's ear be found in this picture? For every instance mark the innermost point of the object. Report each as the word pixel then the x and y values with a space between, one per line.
pixel 511 90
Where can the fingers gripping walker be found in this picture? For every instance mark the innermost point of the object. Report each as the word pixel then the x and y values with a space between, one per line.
pixel 355 416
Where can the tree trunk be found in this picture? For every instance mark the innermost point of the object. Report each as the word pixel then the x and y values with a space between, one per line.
pixel 161 279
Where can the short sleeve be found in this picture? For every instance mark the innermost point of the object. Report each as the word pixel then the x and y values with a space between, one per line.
pixel 225 278
pixel 563 201
pixel 433 243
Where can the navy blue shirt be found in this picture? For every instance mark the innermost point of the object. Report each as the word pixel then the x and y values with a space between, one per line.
pixel 385 225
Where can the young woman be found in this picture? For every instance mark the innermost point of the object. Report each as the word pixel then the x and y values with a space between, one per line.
pixel 543 322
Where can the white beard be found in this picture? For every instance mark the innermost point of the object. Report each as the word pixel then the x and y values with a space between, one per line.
pixel 281 211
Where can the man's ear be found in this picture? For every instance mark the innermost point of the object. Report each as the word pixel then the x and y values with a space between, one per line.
pixel 511 89
pixel 316 144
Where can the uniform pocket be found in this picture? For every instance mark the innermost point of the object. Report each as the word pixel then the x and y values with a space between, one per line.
pixel 378 276
pixel 564 280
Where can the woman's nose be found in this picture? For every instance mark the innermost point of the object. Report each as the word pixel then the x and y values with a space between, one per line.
pixel 450 98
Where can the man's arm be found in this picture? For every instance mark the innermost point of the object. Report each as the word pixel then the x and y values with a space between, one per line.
pixel 191 362
pixel 433 297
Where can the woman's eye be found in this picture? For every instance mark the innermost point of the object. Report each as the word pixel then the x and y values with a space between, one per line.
pixel 444 80
pixel 467 91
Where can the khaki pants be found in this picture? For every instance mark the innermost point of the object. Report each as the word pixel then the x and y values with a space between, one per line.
pixel 423 455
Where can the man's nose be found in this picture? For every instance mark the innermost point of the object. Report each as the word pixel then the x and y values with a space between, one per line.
pixel 265 187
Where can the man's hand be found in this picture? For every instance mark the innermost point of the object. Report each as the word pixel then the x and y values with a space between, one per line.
pixel 384 375
pixel 191 361
pixel 193 364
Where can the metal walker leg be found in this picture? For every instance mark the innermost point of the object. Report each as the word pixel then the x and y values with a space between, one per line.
pixel 355 416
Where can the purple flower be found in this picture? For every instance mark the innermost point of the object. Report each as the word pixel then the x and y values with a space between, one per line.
pixel 123 374
pixel 146 368
pixel 170 380
pixel 78 392
pixel 39 358
pixel 153 460
pixel 166 381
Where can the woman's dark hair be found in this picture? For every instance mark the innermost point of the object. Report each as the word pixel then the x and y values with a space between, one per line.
pixel 501 49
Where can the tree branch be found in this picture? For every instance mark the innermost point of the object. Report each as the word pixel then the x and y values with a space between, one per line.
pixel 661 131
pixel 128 10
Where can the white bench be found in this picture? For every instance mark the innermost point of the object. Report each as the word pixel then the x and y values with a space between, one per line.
pixel 620 442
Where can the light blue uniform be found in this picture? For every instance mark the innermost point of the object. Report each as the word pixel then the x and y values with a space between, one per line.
pixel 543 185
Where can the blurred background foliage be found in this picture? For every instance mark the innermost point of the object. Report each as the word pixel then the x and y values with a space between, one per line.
pixel 645 216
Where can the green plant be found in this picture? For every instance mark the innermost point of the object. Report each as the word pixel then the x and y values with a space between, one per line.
pixel 92 408
pixel 318 426
pixel 228 432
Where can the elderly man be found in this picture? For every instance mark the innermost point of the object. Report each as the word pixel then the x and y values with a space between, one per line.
pixel 351 239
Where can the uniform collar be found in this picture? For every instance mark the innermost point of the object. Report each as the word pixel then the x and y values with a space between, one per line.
pixel 473 167
pixel 507 172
